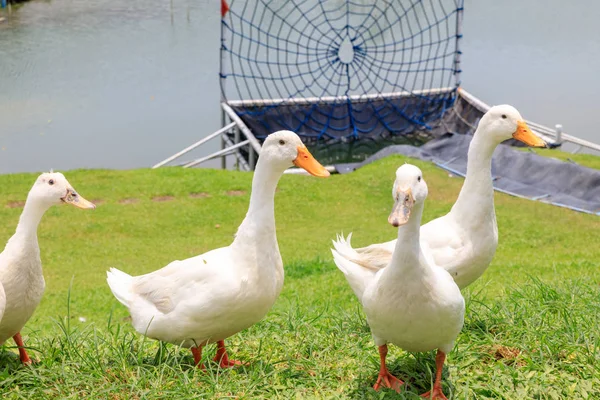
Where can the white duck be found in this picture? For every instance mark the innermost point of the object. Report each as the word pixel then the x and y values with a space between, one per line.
pixel 207 298
pixel 2 301
pixel 20 265
pixel 464 241
pixel 410 302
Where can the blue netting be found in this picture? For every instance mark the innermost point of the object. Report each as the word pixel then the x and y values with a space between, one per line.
pixel 329 52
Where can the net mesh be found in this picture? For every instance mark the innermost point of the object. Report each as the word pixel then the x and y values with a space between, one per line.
pixel 341 70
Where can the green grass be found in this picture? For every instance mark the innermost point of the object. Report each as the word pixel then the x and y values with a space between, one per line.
pixel 586 160
pixel 531 328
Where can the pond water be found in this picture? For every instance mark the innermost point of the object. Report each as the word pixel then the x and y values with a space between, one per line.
pixel 104 84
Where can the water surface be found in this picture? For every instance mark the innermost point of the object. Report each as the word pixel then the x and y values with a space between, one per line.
pixel 98 83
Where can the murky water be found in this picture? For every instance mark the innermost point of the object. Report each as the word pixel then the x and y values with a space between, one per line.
pixel 98 83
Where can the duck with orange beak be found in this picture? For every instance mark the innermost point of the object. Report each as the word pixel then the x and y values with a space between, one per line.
pixel 410 303
pixel 20 265
pixel 464 241
pixel 208 298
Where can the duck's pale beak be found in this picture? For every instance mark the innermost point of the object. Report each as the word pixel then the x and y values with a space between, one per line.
pixel 76 200
pixel 524 134
pixel 401 211
pixel 307 161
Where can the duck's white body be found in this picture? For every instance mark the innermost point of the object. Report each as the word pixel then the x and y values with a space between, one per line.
pixel 417 307
pixel 210 297
pixel 2 301
pixel 410 303
pixel 463 242
pixel 21 273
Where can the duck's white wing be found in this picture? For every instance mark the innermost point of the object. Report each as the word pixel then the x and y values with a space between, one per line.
pixel 2 301
pixel 375 256
pixel 358 276
pixel 441 242
pixel 161 291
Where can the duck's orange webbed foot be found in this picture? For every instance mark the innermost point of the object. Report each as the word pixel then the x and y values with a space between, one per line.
pixel 22 353
pixel 197 352
pixel 385 379
pixel 222 358
pixel 436 393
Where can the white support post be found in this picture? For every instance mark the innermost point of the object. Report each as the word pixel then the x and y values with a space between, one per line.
pixel 559 130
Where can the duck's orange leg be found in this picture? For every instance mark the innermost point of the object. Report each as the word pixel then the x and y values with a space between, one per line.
pixel 197 352
pixel 436 393
pixel 22 353
pixel 222 358
pixel 385 379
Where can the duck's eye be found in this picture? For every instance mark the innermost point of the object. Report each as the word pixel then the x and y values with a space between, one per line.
pixel 51 182
pixel 281 142
pixel 418 179
pixel 503 116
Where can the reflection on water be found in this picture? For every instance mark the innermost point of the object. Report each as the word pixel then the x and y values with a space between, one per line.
pixel 100 83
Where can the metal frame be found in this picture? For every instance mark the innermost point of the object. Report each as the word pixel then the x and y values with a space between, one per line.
pixel 243 136
pixel 228 147
pixel 554 137
pixel 240 130
pixel 338 99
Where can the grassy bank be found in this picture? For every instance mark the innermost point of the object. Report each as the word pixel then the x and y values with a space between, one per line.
pixel 530 332
pixel 586 160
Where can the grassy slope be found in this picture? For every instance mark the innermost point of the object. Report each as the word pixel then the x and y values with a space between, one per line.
pixel 586 160
pixel 524 337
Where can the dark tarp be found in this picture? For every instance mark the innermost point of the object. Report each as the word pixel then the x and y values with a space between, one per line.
pixel 530 176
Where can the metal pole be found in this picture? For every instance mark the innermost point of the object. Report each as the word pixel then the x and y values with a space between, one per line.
pixel 224 158
pixel 355 98
pixel 251 158
pixel 558 139
pixel 198 143
pixel 222 75
pixel 247 132
pixel 459 19
pixel 236 140
pixel 242 162
pixel 217 154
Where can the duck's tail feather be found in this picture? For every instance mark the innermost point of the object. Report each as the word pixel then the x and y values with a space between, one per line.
pixel 357 276
pixel 120 285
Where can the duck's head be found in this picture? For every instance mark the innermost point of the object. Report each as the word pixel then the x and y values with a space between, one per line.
pixel 409 189
pixel 283 149
pixel 53 188
pixel 504 122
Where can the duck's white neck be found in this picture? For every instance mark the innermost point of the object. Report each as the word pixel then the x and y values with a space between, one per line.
pixel 25 237
pixel 30 218
pixel 408 248
pixel 260 219
pixel 476 197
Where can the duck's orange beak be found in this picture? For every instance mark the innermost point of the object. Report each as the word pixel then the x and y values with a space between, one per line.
pixel 76 200
pixel 402 207
pixel 309 163
pixel 524 134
